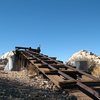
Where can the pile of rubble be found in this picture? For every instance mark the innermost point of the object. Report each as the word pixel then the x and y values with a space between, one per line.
pixel 93 61
pixel 17 85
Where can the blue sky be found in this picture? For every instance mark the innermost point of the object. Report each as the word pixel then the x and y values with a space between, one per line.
pixel 61 27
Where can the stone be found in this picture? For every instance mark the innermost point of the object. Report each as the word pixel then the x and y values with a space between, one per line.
pixel 92 59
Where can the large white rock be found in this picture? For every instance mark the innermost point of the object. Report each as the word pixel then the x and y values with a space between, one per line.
pixel 10 60
pixel 7 55
pixel 84 55
pixel 92 59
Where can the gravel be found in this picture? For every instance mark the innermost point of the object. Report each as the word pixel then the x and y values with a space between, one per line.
pixel 17 85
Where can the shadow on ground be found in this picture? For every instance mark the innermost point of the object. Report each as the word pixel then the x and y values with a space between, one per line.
pixel 13 90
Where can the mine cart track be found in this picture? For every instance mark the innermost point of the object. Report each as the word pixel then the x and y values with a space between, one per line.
pixel 63 76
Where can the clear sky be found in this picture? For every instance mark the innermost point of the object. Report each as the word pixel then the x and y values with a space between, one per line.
pixel 61 27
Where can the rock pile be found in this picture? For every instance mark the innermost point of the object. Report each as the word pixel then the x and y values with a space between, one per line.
pixel 92 59
pixel 16 85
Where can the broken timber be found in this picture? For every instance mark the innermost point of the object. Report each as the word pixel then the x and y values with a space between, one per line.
pixel 63 76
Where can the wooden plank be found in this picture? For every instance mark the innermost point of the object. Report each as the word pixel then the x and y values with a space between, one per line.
pixel 58 65
pixel 88 83
pixel 50 61
pixel 56 78
pixel 90 92
pixel 43 66
pixel 64 71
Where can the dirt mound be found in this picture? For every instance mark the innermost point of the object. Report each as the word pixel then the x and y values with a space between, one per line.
pixel 16 85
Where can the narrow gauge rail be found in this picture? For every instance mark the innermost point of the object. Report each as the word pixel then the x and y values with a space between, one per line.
pixel 63 76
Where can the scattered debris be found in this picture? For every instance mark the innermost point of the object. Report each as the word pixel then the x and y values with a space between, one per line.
pixel 16 85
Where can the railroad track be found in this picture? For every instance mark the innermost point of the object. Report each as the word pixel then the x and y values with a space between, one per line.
pixel 63 76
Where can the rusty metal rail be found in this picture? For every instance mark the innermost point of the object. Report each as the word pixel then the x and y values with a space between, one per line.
pixel 63 76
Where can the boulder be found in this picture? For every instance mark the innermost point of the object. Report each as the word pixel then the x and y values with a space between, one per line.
pixel 93 61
